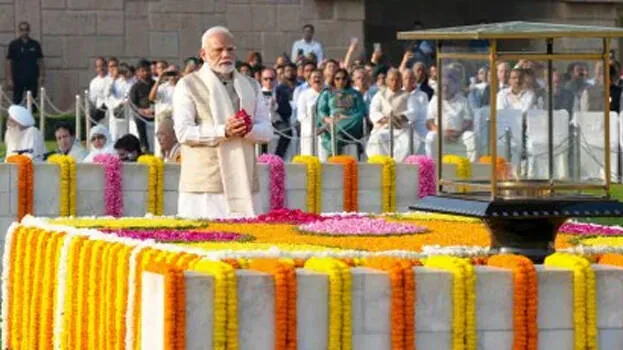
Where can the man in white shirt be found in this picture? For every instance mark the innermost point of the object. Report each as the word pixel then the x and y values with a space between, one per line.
pixel 67 143
pixel 98 90
pixel 218 176
pixel 516 96
pixel 306 112
pixel 162 92
pixel 457 120
pixel 417 106
pixel 307 46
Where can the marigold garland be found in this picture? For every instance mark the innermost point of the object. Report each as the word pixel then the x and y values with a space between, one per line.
pixel 67 190
pixel 285 299
pixel 160 222
pixel 402 279
pixel 25 196
pixel 351 181
pixel 155 183
pixel 525 299
pixel 464 334
pixel 502 168
pixel 314 182
pixel 388 181
pixel 463 168
pixel 225 318
pixel 584 298
pixel 340 300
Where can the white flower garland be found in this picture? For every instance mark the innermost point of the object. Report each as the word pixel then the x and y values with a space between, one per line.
pixel 61 285
pixel 129 313
pixel 5 283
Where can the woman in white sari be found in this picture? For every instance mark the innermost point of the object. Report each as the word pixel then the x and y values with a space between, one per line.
pixel 101 143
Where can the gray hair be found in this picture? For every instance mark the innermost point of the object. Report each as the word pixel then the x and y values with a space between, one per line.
pixel 213 31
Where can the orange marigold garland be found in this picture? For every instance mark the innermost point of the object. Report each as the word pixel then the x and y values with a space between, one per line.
pixel 24 185
pixel 402 279
pixel 351 181
pixel 502 168
pixel 285 300
pixel 525 299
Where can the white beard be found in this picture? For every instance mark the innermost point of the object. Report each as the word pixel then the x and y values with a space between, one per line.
pixel 224 69
pixel 12 138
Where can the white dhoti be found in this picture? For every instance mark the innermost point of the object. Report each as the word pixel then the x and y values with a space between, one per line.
pixel 465 146
pixel 378 144
pixel 208 206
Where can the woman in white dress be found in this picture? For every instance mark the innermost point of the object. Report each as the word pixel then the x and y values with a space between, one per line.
pixel 101 143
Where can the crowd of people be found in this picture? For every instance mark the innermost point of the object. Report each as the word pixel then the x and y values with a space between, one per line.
pixel 327 105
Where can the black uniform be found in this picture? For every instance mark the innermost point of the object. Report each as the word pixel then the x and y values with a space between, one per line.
pixel 24 58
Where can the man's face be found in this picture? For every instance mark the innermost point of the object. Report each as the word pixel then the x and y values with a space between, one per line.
pixel 113 68
pixel 289 73
pixel 450 85
pixel 394 82
pixel 166 138
pixel 154 70
pixel 160 67
pixel 218 52
pixel 24 30
pixel 433 72
pixel 503 73
pixel 64 140
pixel 125 155
pixel 420 72
pixel 143 73
pixel 579 72
pixel 307 71
pixel 360 79
pixel 268 79
pixel 316 81
pixel 330 68
pixel 100 67
pixel 408 81
pixel 308 33
pixel 555 80
pixel 244 70
pixel 380 79
pixel 515 81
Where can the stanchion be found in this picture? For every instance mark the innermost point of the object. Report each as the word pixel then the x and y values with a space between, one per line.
pixel 332 127
pixel 391 135
pixel 42 111
pixel 313 136
pixel 487 151
pixel 29 101
pixel 576 153
pixel 87 116
pixel 507 139
pixel 411 143
pixel 78 121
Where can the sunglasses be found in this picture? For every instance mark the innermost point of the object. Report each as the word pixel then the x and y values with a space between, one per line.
pixel 268 79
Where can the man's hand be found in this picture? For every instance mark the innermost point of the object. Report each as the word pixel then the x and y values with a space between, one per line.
pixel 235 127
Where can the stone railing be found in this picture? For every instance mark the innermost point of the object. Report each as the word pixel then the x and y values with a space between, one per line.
pixel 371 309
pixel 90 188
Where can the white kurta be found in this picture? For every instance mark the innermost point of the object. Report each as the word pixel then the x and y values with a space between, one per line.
pixel 117 96
pixel 454 113
pixel 31 141
pixel 306 106
pixel 523 101
pixel 211 205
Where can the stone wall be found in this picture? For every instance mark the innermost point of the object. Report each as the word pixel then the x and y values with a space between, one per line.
pixel 73 32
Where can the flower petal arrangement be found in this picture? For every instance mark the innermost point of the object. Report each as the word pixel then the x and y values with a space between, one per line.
pixel 360 226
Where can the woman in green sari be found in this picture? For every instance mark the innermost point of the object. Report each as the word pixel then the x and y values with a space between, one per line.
pixel 344 106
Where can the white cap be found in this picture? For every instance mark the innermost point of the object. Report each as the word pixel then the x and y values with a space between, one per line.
pixel 21 115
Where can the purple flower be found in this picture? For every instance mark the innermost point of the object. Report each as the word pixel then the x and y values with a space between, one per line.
pixel 426 174
pixel 277 179
pixel 585 229
pixel 360 226
pixel 113 192
pixel 181 236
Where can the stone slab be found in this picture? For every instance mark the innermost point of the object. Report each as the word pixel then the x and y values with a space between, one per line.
pixel 371 341
pixel 199 310
pixel 90 203
pixel 170 203
pixel 6 182
pixel 370 180
pixel 152 318
pixel 256 310
pixel 264 177
pixel 494 306
pixel 448 171
pixel 312 310
pixel 171 177
pixel 296 186
pixel 495 340
pixel 46 185
pixel 5 204
pixel 609 292
pixel 5 222
pixel 555 299
pixel 556 339
pixel 332 188
pixel 406 186
pixel 91 177
pixel 135 177
pixel 433 340
pixel 134 203
pixel 433 309
pixel 610 339
pixel 481 171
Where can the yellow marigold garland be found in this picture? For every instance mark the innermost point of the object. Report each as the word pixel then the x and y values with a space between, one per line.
pixel 314 182
pixel 351 181
pixel 30 262
pixel 225 318
pixel 463 168
pixel 340 300
pixel 463 299
pixel 72 288
pixel 155 183
pixel 161 222
pixel 388 181
pixel 584 295
pixel 67 190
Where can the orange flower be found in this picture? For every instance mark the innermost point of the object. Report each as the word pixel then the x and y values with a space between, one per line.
pixel 502 168
pixel 285 300
pixel 525 299
pixel 24 185
pixel 351 181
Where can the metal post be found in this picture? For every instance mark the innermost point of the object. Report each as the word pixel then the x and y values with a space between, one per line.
pixel 42 111
pixel 493 144
pixel 607 167
pixel 523 162
pixel 77 117
pixel 87 117
pixel 333 138
pixel 577 149
pixel 507 139
pixel 439 94
pixel 487 151
pixel 29 101
pixel 550 116
pixel 411 131
pixel 391 135
pixel 314 137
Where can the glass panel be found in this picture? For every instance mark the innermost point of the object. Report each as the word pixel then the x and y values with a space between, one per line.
pixel 578 45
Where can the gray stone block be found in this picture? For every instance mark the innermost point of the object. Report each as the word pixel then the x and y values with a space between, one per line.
pixel 433 295
pixel 152 318
pixel 69 22
pixel 264 178
pixel 5 222
pixel 556 339
pixel 136 34
pixel 256 310
pixel 5 206
pixel 494 306
pixel 370 192
pixel 90 203
pixel 237 18
pixel 135 177
pixel 371 341
pixel 289 18
pixel 296 176
pixel 182 6
pixel 91 177
pixel 171 177
pixel 263 17
pixel 312 310
pixel 134 203
pixel 610 339
pixel 350 10
pixel 110 22
pixel 199 310
pixel 555 299
pixel 6 183
pixel 481 171
pixel 433 340
pixel 609 302
pixel 407 181
pixel 332 188
pixel 170 203
pixel 46 186
pixel 495 340
pixel 7 18
pixel 164 44
pixel 448 171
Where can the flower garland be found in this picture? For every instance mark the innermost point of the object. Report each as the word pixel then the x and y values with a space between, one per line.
pixel 277 170
pixel 525 299
pixel 25 196
pixel 588 229
pixel 67 190
pixel 425 216
pixel 160 222
pixel 388 181
pixel 155 183
pixel 340 300
pixel 584 295
pixel 314 182
pixel 113 193
pixel 284 275
pixel 402 279
pixel 33 249
pixel 464 334
pixel 360 227
pixel 225 319
pixel 8 282
pixel 502 168
pixel 463 168
pixel 49 296
pixel 67 313
pixel 174 236
pixel 426 174
pixel 351 181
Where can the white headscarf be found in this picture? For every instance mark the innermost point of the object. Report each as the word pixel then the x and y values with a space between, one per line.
pixel 21 115
pixel 106 149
